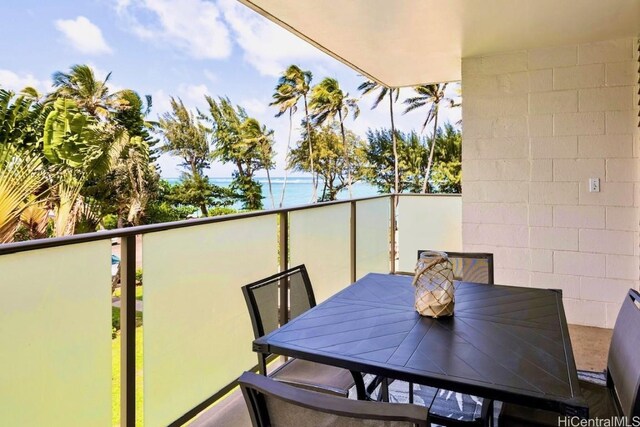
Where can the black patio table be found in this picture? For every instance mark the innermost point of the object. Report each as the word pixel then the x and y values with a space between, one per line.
pixel 503 342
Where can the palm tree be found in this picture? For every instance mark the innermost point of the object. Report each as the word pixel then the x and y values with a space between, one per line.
pixel 431 95
pixel 327 101
pixel 371 86
pixel 255 134
pixel 90 94
pixel 294 84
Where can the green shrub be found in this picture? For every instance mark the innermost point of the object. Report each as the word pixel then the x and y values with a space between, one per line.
pixel 115 321
pixel 158 212
pixel 110 221
pixel 222 210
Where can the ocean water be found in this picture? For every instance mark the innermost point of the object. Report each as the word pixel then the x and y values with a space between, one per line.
pixel 298 190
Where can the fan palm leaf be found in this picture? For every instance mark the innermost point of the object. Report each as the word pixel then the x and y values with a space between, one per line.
pixel 20 177
pixel 35 218
pixel 66 210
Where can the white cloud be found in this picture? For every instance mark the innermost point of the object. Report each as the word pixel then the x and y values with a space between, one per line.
pixel 211 76
pixel 15 82
pixel 267 47
pixel 254 106
pixel 161 102
pixel 83 35
pixel 192 95
pixel 192 26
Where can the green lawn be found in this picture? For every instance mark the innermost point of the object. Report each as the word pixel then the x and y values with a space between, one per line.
pixel 117 292
pixel 115 375
pixel 115 364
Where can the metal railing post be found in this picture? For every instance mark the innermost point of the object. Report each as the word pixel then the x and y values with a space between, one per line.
pixel 284 264
pixel 392 233
pixel 352 239
pixel 128 331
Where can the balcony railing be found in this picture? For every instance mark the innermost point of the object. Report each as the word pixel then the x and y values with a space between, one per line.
pixel 55 310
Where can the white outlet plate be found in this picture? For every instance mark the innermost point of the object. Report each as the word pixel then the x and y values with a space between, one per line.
pixel 594 185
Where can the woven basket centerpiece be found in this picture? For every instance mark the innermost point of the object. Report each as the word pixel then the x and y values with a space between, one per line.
pixel 434 285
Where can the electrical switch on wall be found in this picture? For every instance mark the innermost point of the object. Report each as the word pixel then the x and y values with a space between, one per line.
pixel 594 185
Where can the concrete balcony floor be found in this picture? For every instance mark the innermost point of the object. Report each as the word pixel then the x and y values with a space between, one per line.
pixel 590 347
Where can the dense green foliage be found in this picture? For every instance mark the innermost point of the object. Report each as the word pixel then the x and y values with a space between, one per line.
pixel 446 175
pixel 244 142
pixel 369 87
pixel 332 158
pixel 413 154
pixel 83 157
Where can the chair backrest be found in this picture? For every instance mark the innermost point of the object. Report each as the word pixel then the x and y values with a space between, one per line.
pixel 471 266
pixel 264 299
pixel 624 355
pixel 272 403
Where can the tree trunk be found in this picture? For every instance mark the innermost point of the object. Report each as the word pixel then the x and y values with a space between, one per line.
pixel 286 168
pixel 273 202
pixel 314 180
pixel 347 153
pixel 195 172
pixel 431 150
pixel 331 188
pixel 395 145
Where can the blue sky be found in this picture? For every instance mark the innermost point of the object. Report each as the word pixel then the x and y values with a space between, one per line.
pixel 184 48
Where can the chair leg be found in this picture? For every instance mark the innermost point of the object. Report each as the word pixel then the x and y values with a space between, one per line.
pixel 262 363
pixel 487 412
pixel 360 388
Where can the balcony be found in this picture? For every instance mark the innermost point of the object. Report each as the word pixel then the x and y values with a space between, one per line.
pixel 545 110
pixel 195 339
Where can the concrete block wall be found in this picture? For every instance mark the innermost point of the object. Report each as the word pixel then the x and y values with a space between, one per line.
pixel 537 125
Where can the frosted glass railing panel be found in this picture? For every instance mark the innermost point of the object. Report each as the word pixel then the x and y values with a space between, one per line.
pixel 319 238
pixel 427 222
pixel 197 331
pixel 372 236
pixel 55 324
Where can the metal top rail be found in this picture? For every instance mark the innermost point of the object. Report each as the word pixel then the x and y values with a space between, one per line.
pixel 10 248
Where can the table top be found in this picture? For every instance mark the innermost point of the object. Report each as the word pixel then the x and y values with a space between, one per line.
pixel 507 343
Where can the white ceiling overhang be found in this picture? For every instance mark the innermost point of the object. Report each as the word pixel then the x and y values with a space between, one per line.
pixel 408 42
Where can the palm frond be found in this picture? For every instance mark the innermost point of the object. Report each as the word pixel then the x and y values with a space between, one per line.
pixel 20 177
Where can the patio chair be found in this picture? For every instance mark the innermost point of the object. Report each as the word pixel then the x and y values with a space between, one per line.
pixel 272 403
pixel 262 299
pixel 445 408
pixel 620 396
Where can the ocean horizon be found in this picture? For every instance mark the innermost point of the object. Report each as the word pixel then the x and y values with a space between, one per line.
pixel 298 191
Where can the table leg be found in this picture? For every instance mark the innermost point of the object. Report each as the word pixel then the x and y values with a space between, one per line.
pixel 384 390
